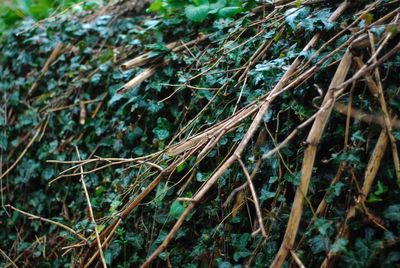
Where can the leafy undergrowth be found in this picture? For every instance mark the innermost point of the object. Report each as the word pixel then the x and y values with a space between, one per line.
pixel 195 142
pixel 13 11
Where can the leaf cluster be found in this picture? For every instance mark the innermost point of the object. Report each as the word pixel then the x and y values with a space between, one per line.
pixel 200 10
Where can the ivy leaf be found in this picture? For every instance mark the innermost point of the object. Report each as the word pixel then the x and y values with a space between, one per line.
pixel 200 2
pixel 319 20
pixel 357 136
pixel 339 245
pixel 161 133
pixel 265 195
pixel 294 16
pixel 228 12
pixel 160 194
pixel 317 244
pixel 202 177
pixel 176 209
pixel 114 205
pixel 382 188
pixel 116 97
pixel 215 7
pixel 155 6
pixel 241 254
pixel 225 264
pixel 158 47
pixel 392 213
pixel 298 3
pixel 181 167
pixel 373 198
pixel 3 142
pixel 197 13
pixel 379 30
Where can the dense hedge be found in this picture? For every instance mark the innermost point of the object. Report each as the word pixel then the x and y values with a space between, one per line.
pixel 63 89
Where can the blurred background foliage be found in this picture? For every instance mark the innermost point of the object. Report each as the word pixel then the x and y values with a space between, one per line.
pixel 14 11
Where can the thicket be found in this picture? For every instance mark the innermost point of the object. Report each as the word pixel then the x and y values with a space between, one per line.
pixel 196 137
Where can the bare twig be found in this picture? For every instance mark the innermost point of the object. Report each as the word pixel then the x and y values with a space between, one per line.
pixel 8 258
pixel 366 117
pixel 137 80
pixel 54 54
pixel 34 217
pixel 297 259
pixel 255 198
pixel 91 213
pixel 38 131
pixel 384 107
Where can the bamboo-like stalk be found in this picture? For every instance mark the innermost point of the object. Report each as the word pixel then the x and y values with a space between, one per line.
pixel 366 117
pixel 369 177
pixel 308 161
pixel 385 110
pixel 145 58
pixel 59 48
pixel 137 80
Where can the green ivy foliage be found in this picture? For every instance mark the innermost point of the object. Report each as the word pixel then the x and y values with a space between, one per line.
pixel 146 118
pixel 13 12
pixel 200 10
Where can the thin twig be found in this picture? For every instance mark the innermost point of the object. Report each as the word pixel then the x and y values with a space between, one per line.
pixel 297 259
pixel 34 217
pixel 38 131
pixel 255 198
pixel 8 258
pixel 384 107
pixel 91 213
pixel 54 54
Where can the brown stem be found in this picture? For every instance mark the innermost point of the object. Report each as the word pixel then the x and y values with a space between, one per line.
pixel 308 162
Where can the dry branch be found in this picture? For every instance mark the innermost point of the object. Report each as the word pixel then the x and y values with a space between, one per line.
pixel 34 217
pixel 53 56
pixel 38 131
pixel 366 117
pixel 147 57
pixel 308 162
pixel 8 258
pixel 369 177
pixel 91 214
pixel 137 80
pixel 384 106
pixel 255 198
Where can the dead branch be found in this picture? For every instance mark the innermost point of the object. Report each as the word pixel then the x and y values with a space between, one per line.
pixel 308 162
